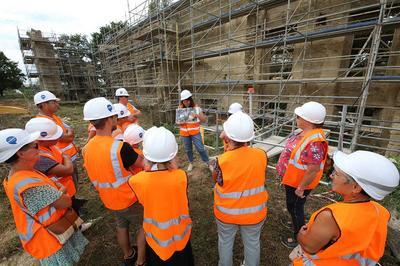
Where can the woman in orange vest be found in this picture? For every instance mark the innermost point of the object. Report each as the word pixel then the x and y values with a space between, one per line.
pixel 301 164
pixel 36 201
pixel 190 131
pixel 163 194
pixel 52 162
pixel 239 194
pixel 351 232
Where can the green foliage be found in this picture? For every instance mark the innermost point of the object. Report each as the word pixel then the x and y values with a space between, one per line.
pixel 104 33
pixel 11 76
pixel 157 5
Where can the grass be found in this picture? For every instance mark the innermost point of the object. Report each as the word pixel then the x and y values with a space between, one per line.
pixel 103 248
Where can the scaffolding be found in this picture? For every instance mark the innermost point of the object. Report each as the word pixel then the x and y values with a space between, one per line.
pixel 58 67
pixel 271 56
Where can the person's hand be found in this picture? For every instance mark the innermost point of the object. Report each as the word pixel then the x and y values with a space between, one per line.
pixel 303 229
pixel 63 190
pixel 299 192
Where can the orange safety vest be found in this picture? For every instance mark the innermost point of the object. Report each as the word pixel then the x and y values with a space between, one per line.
pixel 132 109
pixel 68 148
pixel 363 230
pixel 55 154
pixel 166 219
pixel 138 169
pixel 35 239
pixel 242 197
pixel 296 169
pixel 190 128
pixel 103 163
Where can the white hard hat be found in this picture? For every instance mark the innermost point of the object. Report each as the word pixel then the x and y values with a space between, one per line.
pixel 185 94
pixel 235 107
pixel 47 128
pixel 239 127
pixel 44 96
pixel 121 92
pixel 375 174
pixel 121 110
pixel 312 112
pixel 98 108
pixel 159 145
pixel 134 134
pixel 13 139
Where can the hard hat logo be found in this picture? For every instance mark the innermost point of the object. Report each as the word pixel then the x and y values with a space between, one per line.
pixel 43 96
pixel 11 140
pixel 109 107
pixel 121 113
pixel 43 134
pixel 140 135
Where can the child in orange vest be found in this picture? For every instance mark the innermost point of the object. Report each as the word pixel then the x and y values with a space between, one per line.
pixel 122 121
pixel 134 136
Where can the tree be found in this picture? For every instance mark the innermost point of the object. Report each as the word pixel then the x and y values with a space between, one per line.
pixel 104 33
pixel 11 76
pixel 157 5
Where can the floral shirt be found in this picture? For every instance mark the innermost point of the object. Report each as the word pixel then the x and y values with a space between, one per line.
pixel 314 153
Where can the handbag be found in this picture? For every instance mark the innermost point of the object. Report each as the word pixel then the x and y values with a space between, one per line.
pixel 66 226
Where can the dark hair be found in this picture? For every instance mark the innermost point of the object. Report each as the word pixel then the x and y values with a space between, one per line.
pixel 364 193
pixel 99 123
pixel 319 125
pixel 191 102
pixel 15 157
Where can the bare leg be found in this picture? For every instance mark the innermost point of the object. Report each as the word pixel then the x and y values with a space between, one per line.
pixel 141 245
pixel 123 241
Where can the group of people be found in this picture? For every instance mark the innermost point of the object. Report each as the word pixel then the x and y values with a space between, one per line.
pixel 138 179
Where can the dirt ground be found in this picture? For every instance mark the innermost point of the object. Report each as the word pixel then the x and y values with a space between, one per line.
pixel 103 249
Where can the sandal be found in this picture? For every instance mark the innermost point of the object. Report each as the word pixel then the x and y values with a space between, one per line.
pixel 131 260
pixel 289 242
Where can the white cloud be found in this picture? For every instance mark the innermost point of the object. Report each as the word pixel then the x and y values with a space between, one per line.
pixel 58 16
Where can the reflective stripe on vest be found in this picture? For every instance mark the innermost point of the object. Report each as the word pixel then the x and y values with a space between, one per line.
pixel 295 160
pixel 117 170
pixel 240 211
pixel 166 243
pixel 238 195
pixel 30 221
pixel 356 256
pixel 70 146
pixel 190 129
pixel 165 225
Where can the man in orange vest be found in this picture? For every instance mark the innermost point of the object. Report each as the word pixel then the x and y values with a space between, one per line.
pixel 163 194
pixel 48 105
pixel 239 194
pixel 122 96
pixel 352 232
pixel 301 164
pixel 109 164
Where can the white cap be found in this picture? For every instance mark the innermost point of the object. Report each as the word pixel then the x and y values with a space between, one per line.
pixel 235 107
pixel 134 134
pixel 121 92
pixel 13 139
pixel 44 96
pixel 47 128
pixel 375 174
pixel 159 145
pixel 121 110
pixel 185 94
pixel 312 112
pixel 239 127
pixel 98 108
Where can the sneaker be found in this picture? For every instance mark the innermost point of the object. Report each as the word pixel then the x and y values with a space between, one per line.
pixel 85 226
pixel 289 242
pixel 190 167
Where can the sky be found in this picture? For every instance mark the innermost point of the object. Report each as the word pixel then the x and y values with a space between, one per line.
pixel 57 16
